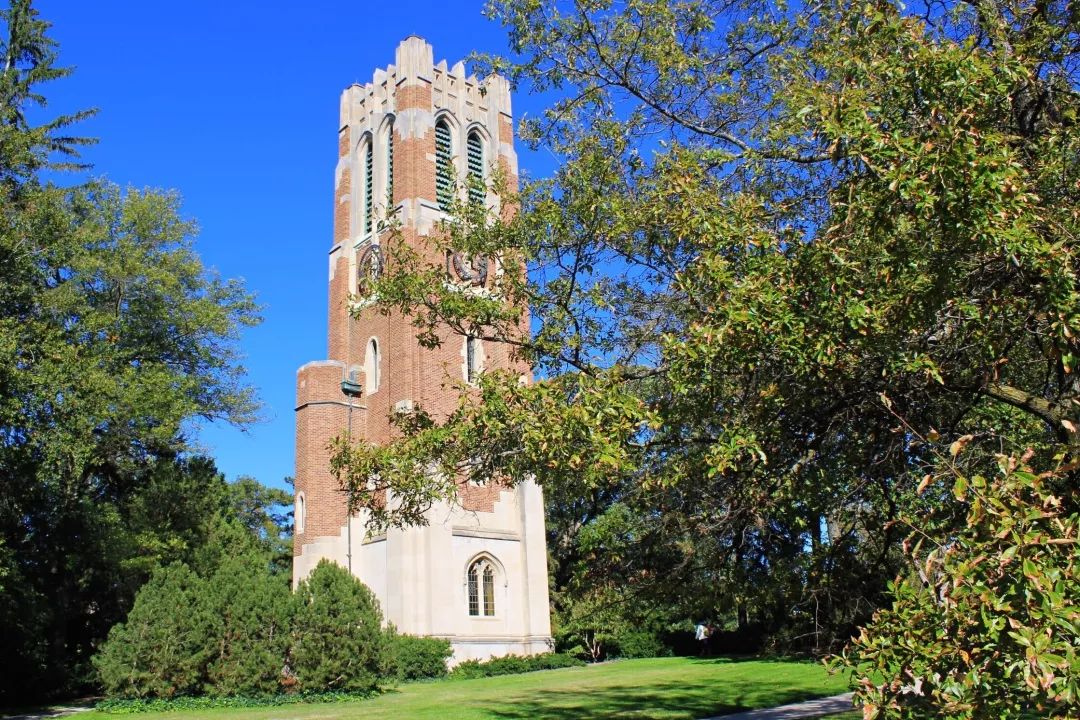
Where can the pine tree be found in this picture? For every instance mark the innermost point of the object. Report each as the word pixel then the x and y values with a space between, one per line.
pixel 251 610
pixel 28 57
pixel 338 643
pixel 163 647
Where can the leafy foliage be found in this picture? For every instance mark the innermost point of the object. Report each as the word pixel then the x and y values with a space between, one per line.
pixel 338 642
pixel 417 658
pixel 115 341
pixel 117 706
pixel 640 644
pixel 985 623
pixel 512 665
pixel 786 246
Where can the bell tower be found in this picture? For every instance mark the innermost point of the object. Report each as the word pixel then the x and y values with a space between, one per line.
pixel 477 573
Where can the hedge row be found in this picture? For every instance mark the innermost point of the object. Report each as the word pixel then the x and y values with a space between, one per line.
pixel 513 664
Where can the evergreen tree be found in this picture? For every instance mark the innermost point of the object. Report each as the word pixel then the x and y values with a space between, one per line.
pixel 162 649
pixel 113 338
pixel 29 56
pixel 338 642
pixel 249 632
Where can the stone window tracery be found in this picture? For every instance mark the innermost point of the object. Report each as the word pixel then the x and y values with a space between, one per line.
pixel 481 585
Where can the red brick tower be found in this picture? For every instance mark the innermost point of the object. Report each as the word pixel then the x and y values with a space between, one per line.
pixel 477 574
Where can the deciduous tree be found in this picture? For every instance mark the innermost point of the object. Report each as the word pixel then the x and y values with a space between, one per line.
pixel 115 341
pixel 789 252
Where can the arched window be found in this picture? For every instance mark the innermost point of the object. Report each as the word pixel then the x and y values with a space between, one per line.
pixel 475 147
pixel 301 512
pixel 481 582
pixel 369 191
pixel 390 163
pixel 472 358
pixel 444 173
pixel 371 366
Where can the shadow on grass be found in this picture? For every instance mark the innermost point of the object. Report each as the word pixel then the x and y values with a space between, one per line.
pixel 672 699
pixel 736 659
pixel 42 712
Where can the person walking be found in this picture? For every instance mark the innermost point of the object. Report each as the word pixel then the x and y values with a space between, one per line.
pixel 701 634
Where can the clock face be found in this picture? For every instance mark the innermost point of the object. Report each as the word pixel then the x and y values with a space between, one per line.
pixel 368 269
pixel 468 269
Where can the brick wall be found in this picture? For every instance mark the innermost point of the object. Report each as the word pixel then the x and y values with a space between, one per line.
pixel 321 415
pixel 408 372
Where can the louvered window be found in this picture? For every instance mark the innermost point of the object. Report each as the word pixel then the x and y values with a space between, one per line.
pixel 390 164
pixel 444 175
pixel 475 148
pixel 368 189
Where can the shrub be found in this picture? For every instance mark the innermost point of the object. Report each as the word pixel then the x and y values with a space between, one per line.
pixel 206 702
pixel 162 648
pixel 639 644
pixel 250 609
pixel 512 665
pixel 416 658
pixel 986 624
pixel 338 642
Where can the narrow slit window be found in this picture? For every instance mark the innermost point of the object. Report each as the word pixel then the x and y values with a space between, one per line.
pixel 475 147
pixel 474 590
pixel 372 369
pixel 444 175
pixel 472 359
pixel 489 592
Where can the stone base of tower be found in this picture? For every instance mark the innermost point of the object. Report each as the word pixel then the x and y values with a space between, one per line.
pixel 420 575
pixel 334 548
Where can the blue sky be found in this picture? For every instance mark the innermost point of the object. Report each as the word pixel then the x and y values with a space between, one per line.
pixel 235 104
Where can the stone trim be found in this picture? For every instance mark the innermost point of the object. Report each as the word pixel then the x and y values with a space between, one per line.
pixel 460 531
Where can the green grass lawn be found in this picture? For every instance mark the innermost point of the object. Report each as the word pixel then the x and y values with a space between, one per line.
pixel 656 688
